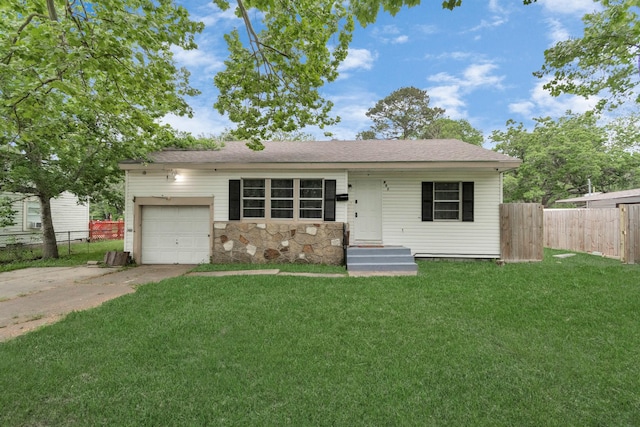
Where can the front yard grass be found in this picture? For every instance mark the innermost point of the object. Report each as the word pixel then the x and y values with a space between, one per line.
pixel 555 343
pixel 78 253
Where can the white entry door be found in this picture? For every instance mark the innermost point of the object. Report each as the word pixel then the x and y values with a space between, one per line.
pixel 368 211
pixel 175 234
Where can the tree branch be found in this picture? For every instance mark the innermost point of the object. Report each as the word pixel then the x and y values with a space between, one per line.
pixel 7 59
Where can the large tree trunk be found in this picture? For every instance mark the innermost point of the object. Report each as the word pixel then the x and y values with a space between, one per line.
pixel 49 244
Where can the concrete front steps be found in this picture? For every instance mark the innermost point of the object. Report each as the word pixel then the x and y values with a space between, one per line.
pixel 380 261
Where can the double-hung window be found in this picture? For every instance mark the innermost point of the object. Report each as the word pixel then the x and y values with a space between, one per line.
pixel 447 201
pixel 310 198
pixel 32 215
pixel 282 198
pixel 254 198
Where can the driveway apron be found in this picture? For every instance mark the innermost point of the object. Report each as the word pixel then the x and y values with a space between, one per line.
pixel 33 297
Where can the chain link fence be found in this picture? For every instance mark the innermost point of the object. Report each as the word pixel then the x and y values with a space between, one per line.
pixel 27 246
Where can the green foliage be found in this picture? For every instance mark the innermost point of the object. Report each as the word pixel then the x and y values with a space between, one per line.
pixel 276 68
pixel 559 157
pixel 82 86
pixel 604 61
pixel 271 83
pixel 446 128
pixel 7 213
pixel 296 135
pixel 401 115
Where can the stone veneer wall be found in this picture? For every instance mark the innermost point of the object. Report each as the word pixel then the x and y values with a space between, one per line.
pixel 260 243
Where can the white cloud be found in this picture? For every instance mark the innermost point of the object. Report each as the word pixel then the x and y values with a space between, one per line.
pixel 197 58
pixel 542 104
pixel 456 56
pixel 449 97
pixel 569 7
pixel 400 40
pixel 389 34
pixel 495 21
pixel 479 75
pixel 213 15
pixel 358 59
pixel 427 29
pixel 557 31
pixel 205 119
pixel 352 109
pixel 450 90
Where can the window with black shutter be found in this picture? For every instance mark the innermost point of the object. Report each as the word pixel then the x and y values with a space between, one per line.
pixel 447 201
pixel 303 199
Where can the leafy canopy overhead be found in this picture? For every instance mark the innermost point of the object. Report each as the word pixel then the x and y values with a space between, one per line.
pixel 604 61
pixel 277 65
pixel 82 86
pixel 560 157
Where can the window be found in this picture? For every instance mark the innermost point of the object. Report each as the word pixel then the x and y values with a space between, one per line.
pixel 281 198
pixel 253 198
pixel 310 198
pixel 32 215
pixel 278 199
pixel 447 201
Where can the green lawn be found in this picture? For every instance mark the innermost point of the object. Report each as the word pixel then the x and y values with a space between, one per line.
pixel 77 253
pixel 555 343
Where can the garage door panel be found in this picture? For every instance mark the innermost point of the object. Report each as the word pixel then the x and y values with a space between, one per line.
pixel 175 234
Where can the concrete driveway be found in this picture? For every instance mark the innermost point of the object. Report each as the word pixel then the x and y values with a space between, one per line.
pixel 33 297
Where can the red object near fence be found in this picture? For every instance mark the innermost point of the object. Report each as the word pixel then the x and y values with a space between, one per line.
pixel 106 230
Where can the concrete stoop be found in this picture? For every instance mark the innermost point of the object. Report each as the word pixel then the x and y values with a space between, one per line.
pixel 380 261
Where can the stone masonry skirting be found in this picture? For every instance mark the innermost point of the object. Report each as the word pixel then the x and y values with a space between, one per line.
pixel 260 243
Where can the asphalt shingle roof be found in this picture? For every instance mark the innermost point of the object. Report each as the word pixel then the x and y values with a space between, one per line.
pixel 375 151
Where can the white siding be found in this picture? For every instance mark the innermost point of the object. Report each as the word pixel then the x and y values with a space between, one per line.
pixel 18 218
pixel 402 223
pixel 208 183
pixel 67 215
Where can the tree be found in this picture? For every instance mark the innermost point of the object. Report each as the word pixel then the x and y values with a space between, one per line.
pixel 401 115
pixel 7 213
pixel 82 86
pixel 273 74
pixel 560 157
pixel 604 61
pixel 446 128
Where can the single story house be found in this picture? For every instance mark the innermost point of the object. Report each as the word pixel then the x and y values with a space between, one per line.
pixel 70 219
pixel 606 200
pixel 306 201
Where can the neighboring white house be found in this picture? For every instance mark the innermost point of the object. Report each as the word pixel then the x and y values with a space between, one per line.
pixel 606 200
pixel 293 200
pixel 70 219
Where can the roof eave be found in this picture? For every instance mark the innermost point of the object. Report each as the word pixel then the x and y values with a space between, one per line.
pixel 498 166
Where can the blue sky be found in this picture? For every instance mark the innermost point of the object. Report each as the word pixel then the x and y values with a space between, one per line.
pixel 476 62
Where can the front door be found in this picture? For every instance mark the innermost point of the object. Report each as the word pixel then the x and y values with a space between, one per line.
pixel 368 211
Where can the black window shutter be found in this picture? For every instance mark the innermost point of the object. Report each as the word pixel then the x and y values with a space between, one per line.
pixel 329 199
pixel 234 200
pixel 467 201
pixel 427 201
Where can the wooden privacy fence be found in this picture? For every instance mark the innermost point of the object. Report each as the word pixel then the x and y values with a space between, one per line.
pixel 521 232
pixel 583 230
pixel 106 230
pixel 613 232
pixel 630 234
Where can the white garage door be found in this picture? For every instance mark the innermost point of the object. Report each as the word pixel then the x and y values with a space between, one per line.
pixel 175 234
